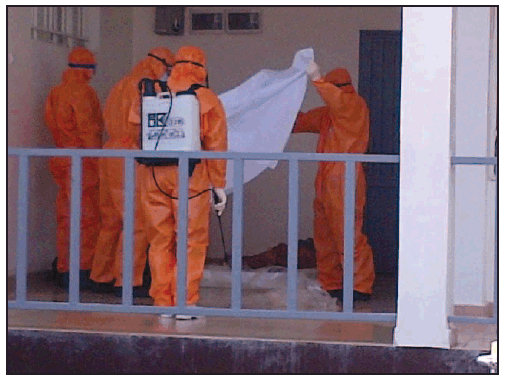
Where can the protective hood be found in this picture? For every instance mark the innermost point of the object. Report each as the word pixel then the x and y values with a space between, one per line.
pixel 341 78
pixel 189 68
pixel 155 64
pixel 81 64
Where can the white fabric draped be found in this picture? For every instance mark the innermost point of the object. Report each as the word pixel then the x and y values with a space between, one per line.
pixel 261 113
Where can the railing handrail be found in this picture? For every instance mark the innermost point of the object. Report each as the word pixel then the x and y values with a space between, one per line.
pixel 230 155
pixel 292 157
pixel 474 160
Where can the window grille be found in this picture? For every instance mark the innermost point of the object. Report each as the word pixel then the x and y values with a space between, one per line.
pixel 60 25
pixel 229 20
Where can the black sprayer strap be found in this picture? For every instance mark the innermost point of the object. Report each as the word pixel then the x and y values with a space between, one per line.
pixel 191 90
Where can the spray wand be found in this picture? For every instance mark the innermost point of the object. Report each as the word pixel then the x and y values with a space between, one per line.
pixel 227 258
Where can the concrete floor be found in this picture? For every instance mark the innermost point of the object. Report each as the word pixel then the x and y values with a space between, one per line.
pixel 263 288
pixel 216 294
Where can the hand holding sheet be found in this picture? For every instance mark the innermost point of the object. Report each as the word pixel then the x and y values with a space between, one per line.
pixel 261 113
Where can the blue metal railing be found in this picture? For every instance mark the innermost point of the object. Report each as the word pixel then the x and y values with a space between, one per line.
pixel 237 240
pixel 458 160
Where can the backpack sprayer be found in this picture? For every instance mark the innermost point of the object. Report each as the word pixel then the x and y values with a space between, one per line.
pixel 171 123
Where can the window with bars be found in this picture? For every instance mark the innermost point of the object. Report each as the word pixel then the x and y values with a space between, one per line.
pixel 220 20
pixel 60 25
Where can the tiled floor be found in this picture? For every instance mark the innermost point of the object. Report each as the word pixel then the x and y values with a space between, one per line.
pixel 257 293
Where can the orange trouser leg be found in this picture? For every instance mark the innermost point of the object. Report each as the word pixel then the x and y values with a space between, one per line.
pixel 108 263
pixel 63 227
pixel 90 220
pixel 329 240
pixel 110 233
pixel 329 266
pixel 161 225
pixel 161 219
pixel 364 269
pixel 140 245
pixel 140 242
pixel 90 212
pixel 198 242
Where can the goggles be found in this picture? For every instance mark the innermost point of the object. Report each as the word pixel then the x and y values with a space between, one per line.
pixel 82 66
pixel 191 62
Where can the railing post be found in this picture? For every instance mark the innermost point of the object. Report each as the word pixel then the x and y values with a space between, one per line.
pixel 293 208
pixel 182 231
pixel 22 260
pixel 75 228
pixel 349 213
pixel 128 229
pixel 237 233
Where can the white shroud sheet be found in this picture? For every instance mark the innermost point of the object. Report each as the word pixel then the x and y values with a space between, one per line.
pixel 261 112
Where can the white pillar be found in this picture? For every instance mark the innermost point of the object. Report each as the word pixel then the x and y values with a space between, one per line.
pixel 424 281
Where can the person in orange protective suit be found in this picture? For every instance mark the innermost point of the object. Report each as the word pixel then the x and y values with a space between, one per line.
pixel 122 123
pixel 160 189
pixel 343 127
pixel 73 115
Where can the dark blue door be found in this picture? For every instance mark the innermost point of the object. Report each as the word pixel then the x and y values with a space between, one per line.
pixel 379 85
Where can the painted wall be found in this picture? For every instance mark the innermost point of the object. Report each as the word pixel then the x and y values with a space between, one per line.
pixel 471 129
pixel 115 50
pixel 333 33
pixel 35 67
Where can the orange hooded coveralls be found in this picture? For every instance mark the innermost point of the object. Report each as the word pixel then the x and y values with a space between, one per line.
pixel 122 123
pixel 161 210
pixel 73 115
pixel 343 127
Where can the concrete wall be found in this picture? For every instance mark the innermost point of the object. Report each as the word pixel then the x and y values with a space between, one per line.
pixel 33 68
pixel 115 53
pixel 333 33
pixel 67 352
pixel 471 124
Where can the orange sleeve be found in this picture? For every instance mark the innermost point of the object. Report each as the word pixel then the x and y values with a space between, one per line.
pixel 134 116
pixel 347 110
pixel 214 134
pixel 310 121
